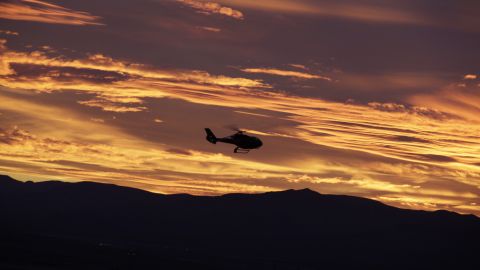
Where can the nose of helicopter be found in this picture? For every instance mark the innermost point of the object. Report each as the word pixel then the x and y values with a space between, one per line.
pixel 259 143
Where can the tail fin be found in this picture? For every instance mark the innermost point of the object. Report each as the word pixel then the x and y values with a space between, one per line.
pixel 210 136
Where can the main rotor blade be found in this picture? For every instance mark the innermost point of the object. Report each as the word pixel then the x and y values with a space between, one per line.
pixel 234 128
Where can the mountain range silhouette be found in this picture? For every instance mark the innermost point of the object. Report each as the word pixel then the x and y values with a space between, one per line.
pixel 59 225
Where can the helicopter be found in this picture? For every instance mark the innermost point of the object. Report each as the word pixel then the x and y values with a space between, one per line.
pixel 244 142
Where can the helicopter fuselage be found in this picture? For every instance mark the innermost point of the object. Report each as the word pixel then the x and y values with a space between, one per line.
pixel 243 142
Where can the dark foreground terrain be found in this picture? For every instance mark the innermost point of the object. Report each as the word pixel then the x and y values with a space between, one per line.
pixel 56 225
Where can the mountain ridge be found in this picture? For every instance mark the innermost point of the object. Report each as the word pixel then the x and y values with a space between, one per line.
pixel 303 191
pixel 292 229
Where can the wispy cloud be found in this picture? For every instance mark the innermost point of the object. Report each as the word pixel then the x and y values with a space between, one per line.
pixel 352 10
pixel 286 73
pixel 115 104
pixel 212 8
pixel 314 116
pixel 450 15
pixel 210 29
pixel 111 155
pixel 457 99
pixel 388 150
pixel 8 32
pixel 299 66
pixel 42 11
pixel 470 77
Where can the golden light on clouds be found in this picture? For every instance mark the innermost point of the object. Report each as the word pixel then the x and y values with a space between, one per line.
pixel 460 102
pixel 107 64
pixel 42 11
pixel 8 32
pixel 376 12
pixel 111 105
pixel 286 73
pixel 212 8
pixel 425 156
pixel 366 99
pixel 470 77
pixel 351 11
pixel 211 29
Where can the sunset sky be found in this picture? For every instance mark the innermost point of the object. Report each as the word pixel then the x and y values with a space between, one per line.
pixel 372 98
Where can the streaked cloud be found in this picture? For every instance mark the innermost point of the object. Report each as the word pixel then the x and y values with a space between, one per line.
pixel 299 66
pixel 109 154
pixel 212 8
pixel 398 122
pixel 8 32
pixel 453 14
pixel 115 104
pixel 415 110
pixel 286 73
pixel 462 101
pixel 210 29
pixel 351 10
pixel 45 12
pixel 107 64
pixel 199 87
pixel 396 80
pixel 394 134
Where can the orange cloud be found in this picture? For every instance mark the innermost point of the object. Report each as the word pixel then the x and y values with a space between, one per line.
pixel 406 146
pixel 464 104
pixel 213 8
pixel 113 104
pixel 286 73
pixel 330 118
pixel 351 11
pixel 470 77
pixel 210 29
pixel 107 154
pixel 299 66
pixel 8 32
pixel 104 63
pixel 41 11
pixel 390 12
pixel 314 116
pixel 378 82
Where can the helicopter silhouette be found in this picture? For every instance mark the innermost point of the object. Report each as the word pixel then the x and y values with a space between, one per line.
pixel 244 142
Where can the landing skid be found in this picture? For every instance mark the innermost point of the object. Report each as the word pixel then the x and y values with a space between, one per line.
pixel 239 150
